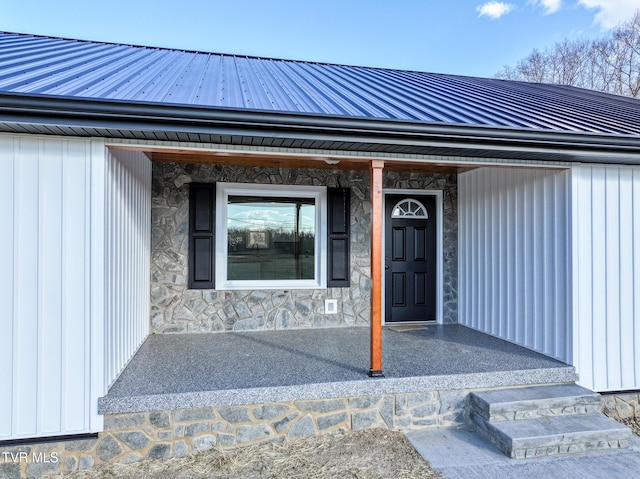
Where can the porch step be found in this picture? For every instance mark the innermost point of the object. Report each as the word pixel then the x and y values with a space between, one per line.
pixel 544 420
pixel 537 401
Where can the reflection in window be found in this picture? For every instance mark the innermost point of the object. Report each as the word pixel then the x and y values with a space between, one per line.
pixel 270 238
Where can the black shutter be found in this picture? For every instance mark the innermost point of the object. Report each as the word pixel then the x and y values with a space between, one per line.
pixel 202 198
pixel 338 262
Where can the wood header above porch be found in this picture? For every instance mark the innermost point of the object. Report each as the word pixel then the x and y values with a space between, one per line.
pixel 289 160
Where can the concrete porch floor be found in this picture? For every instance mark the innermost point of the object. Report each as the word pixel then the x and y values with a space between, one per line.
pixel 197 370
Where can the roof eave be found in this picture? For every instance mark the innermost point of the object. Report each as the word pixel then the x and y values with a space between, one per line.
pixel 103 115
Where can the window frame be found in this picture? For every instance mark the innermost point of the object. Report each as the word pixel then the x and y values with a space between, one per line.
pixel 318 193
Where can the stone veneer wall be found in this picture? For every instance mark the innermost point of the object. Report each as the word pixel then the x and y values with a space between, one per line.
pixel 176 309
pixel 137 436
pixel 134 437
pixel 621 405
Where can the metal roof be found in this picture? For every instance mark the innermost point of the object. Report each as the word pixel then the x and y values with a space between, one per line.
pixel 54 67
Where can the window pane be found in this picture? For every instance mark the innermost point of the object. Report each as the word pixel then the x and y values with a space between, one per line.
pixel 270 238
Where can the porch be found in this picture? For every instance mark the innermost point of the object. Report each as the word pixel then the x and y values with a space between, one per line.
pixel 182 371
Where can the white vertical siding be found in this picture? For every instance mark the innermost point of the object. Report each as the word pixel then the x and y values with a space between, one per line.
pixel 514 235
pixel 45 289
pixel 606 276
pixel 75 283
pixel 128 245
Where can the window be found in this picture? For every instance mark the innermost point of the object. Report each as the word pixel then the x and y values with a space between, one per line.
pixel 409 208
pixel 244 236
pixel 270 236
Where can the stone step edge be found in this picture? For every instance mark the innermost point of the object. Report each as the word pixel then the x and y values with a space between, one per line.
pixel 533 412
pixel 528 453
pixel 568 443
pixel 535 407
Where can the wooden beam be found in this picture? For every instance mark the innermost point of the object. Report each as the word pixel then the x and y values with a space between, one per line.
pixel 263 159
pixel 377 211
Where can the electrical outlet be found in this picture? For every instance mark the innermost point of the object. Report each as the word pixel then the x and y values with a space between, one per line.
pixel 330 306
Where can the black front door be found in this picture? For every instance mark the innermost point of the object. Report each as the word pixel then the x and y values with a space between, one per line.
pixel 410 258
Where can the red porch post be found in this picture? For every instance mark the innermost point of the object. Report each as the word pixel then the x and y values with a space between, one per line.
pixel 377 209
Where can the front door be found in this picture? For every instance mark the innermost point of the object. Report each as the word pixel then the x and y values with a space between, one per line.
pixel 410 258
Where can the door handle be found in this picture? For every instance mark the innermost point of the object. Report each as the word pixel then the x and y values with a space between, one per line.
pixel 386 266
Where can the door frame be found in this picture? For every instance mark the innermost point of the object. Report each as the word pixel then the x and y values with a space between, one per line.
pixel 439 235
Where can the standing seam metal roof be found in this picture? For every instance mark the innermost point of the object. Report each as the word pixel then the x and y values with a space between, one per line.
pixel 36 65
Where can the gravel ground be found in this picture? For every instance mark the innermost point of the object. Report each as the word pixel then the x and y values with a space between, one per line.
pixel 367 454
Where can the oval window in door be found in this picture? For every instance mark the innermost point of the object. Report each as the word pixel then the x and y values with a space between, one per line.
pixel 409 208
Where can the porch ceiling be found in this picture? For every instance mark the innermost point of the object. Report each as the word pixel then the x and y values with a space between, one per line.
pixel 267 160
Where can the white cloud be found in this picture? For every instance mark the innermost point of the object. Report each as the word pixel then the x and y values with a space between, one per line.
pixel 494 9
pixel 550 6
pixel 612 12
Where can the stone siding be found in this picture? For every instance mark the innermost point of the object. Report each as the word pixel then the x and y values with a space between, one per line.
pixel 621 405
pixel 134 437
pixel 176 309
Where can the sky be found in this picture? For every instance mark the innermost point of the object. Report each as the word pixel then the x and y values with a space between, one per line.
pixel 466 37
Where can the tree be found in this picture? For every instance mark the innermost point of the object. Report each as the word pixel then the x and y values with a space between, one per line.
pixel 610 64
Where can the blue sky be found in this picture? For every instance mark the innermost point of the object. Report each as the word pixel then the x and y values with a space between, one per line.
pixel 463 37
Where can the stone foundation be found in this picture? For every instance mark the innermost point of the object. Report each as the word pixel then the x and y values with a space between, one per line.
pixel 177 309
pixel 133 437
pixel 621 405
